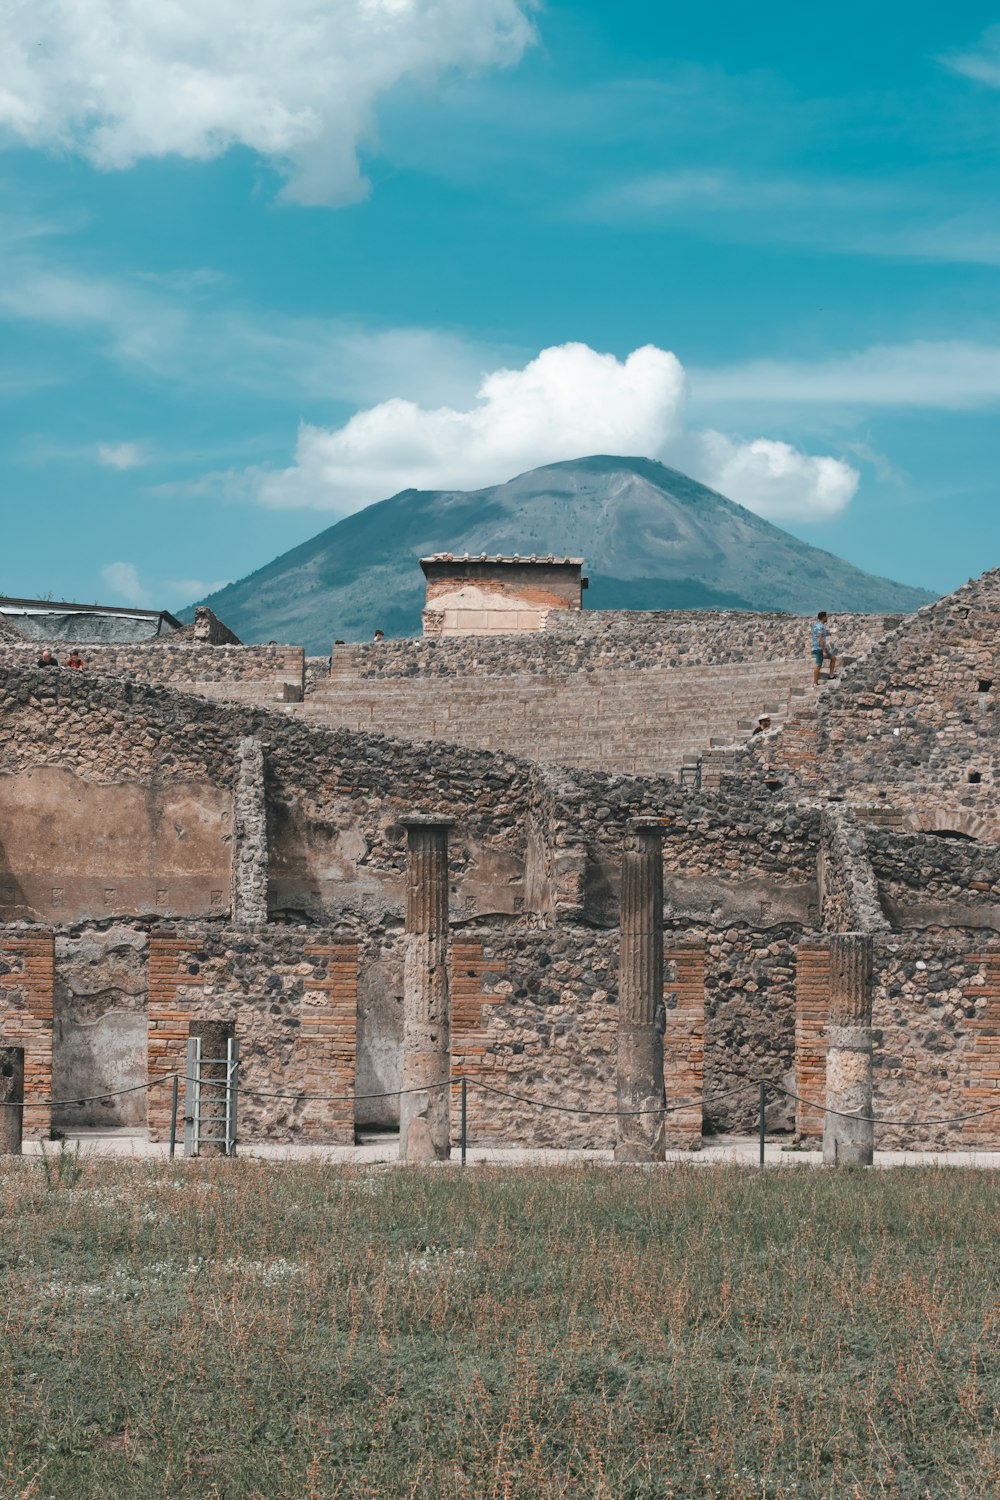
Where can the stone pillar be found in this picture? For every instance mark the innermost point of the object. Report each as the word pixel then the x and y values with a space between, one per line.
pixel 249 900
pixel 849 1142
pixel 424 1117
pixel 11 1100
pixel 640 1137
pixel 214 1040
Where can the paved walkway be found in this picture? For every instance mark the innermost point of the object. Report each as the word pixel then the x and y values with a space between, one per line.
pixel 723 1151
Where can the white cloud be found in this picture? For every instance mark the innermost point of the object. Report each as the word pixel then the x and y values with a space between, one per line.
pixel 295 80
pixel 191 332
pixel 124 582
pixel 120 456
pixel 776 480
pixel 188 589
pixel 983 62
pixel 568 402
pixel 926 373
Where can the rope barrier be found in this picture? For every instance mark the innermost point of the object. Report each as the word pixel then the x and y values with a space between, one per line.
pixel 879 1119
pixel 620 1114
pixel 488 1088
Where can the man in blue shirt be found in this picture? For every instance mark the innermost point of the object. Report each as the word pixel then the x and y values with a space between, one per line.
pixel 821 647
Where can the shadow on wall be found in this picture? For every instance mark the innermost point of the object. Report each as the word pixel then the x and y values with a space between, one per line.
pixel 12 903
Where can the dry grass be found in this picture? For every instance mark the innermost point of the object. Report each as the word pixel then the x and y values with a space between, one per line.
pixel 243 1330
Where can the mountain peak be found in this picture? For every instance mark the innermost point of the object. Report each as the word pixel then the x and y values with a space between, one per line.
pixel 653 538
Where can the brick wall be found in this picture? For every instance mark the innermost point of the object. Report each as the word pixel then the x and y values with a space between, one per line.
pixel 982 1087
pixel 473 1053
pixel 532 1023
pixel 936 1041
pixel 812 1004
pixel 27 998
pixel 293 997
pixel 684 1041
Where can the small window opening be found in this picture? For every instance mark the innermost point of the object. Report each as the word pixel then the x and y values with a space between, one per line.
pixel 985 683
pixel 975 777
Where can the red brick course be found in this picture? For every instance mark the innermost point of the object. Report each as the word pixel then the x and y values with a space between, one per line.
pixel 27 997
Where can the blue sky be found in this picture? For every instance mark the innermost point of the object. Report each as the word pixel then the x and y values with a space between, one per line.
pixel 265 261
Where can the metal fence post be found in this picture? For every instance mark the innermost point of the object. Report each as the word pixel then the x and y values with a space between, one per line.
pixel 173 1115
pixel 232 1079
pixel 760 1119
pixel 192 1097
pixel 465 1117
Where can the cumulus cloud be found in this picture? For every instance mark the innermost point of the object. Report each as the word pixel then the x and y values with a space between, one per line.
pixel 295 80
pixel 123 580
pixel 776 480
pixel 568 402
pixel 121 456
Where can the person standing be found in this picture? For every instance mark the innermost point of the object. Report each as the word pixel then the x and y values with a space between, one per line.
pixel 821 648
pixel 46 659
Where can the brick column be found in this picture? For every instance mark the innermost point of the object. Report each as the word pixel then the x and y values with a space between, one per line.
pixel 812 1003
pixel 639 1136
pixel 249 898
pixel 849 1141
pixel 424 1134
pixel 27 999
pixel 684 1044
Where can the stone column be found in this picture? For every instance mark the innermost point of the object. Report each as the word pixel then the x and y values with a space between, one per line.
pixel 640 1137
pixel 249 899
pixel 11 1100
pixel 424 1116
pixel 849 1142
pixel 214 1040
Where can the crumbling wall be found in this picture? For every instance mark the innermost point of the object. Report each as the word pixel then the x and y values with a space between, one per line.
pixel 99 1036
pixel 292 994
pixel 622 641
pixel 926 881
pixel 253 674
pixel 916 721
pixel 849 891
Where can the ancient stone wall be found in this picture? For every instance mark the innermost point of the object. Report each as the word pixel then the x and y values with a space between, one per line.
pixel 293 996
pixel 243 673
pixel 849 892
pixel 926 881
pixel 915 722
pixel 99 1026
pixel 936 1030
pixel 617 640
pixel 534 1024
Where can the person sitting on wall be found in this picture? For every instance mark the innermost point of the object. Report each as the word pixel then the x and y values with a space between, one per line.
pixel 821 648
pixel 762 726
pixel 74 660
pixel 46 659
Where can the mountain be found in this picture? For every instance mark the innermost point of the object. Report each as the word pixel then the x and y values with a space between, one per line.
pixel 652 539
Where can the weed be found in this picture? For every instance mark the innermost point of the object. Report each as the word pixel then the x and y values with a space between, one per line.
pixel 246 1329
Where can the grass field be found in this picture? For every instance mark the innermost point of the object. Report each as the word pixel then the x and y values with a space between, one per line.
pixel 235 1329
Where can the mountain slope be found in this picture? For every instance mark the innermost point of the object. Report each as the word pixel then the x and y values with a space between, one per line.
pixel 652 539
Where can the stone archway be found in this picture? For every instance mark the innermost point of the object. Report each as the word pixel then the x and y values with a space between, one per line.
pixel 964 821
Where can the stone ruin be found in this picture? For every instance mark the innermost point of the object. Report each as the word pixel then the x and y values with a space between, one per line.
pixel 553 861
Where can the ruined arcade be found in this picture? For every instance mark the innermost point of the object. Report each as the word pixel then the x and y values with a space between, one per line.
pixel 549 858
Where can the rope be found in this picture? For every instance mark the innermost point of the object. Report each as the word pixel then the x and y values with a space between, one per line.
pixel 488 1088
pixel 879 1119
pixel 620 1114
